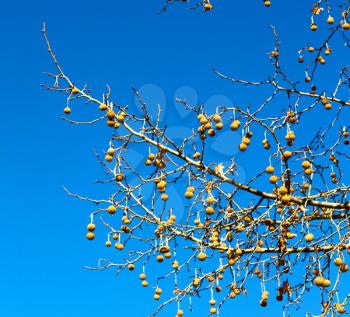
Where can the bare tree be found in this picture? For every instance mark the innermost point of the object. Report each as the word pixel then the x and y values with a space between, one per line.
pixel 291 217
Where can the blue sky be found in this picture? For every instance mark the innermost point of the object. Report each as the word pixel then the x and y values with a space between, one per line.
pixel 120 43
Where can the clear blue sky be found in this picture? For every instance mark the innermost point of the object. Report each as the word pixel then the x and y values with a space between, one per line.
pixel 120 43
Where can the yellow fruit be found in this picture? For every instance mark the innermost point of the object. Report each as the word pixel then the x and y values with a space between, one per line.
pixel 109 158
pixel 270 169
pixel 108 244
pixel 309 237
pixel 119 246
pixel 144 283
pixel 326 283
pixel 161 185
pixel 90 236
pixel 67 110
pixel 287 155
pixel 267 3
pixel 188 194
pixel 111 209
pixel 202 256
pixel 110 114
pixel 216 118
pixel 346 26
pixel 164 197
pixel 103 107
pixel 158 291
pixel 207 7
pixel 75 90
pixel 212 302
pixel 265 295
pixel 212 310
pixel 110 151
pixel 328 106
pixel 235 125
pixel 119 177
pixel 91 227
pixel 273 179
pixel 131 267
pixel 319 281
pixel 210 200
pixel 306 164
pixel 330 20
pixel 243 147
pixel 313 27
pixel 175 264
pixel 156 296
pixel 209 210
pixel 308 171
pixel 338 261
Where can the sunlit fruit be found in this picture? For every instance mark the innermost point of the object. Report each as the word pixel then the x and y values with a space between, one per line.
pixel 111 151
pixel 90 236
pixel 306 164
pixel 202 256
pixel 108 244
pixel 207 7
pixel 119 177
pixel 309 237
pixel 131 267
pixel 346 26
pixel 67 110
pixel 144 283
pixel 75 90
pixel 91 227
pixel 273 179
pixel 235 125
pixel 103 107
pixel 109 158
pixel 330 20
pixel 111 209
pixel 119 246
pixel 338 261
pixel 270 169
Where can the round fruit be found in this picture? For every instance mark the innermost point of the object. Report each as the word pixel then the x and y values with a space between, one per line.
pixel 270 169
pixel 109 158
pixel 90 236
pixel 202 256
pixel 75 90
pixel 111 209
pixel 235 125
pixel 338 261
pixel 330 20
pixel 131 267
pixel 108 244
pixel 110 151
pixel 119 246
pixel 346 26
pixel 273 179
pixel 309 237
pixel 306 164
pixel 91 227
pixel 67 110
pixel 119 177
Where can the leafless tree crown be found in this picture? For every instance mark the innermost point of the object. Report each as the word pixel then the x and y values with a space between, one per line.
pixel 286 228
